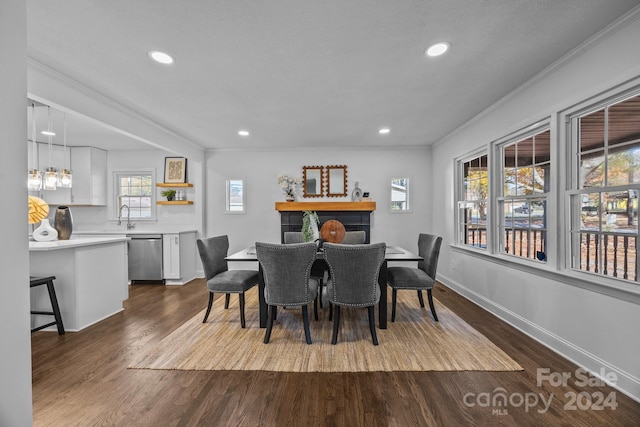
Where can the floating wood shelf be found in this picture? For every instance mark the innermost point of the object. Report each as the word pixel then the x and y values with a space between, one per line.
pixel 325 206
pixel 169 184
pixel 175 202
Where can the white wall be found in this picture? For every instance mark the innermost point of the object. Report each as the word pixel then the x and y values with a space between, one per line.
pixel 595 330
pixel 15 366
pixel 97 217
pixel 371 168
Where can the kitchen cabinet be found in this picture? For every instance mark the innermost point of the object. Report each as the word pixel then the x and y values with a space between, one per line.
pixel 89 167
pixel 171 256
pixel 178 257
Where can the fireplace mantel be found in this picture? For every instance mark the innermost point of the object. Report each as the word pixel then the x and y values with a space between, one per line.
pixel 325 206
pixel 353 215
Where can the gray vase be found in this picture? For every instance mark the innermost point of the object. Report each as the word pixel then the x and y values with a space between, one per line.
pixel 63 222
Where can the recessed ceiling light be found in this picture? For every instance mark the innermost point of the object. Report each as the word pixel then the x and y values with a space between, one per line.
pixel 438 49
pixel 161 57
pixel 384 131
pixel 243 132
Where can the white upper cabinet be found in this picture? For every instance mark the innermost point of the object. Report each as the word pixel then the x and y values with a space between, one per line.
pixel 89 168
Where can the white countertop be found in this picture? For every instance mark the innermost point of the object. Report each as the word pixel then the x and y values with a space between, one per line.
pixel 74 242
pixel 123 231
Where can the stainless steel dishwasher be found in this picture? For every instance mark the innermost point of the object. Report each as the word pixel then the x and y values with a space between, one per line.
pixel 145 258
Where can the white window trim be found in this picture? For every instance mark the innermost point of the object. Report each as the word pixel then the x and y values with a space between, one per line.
pixel 496 183
pixel 459 191
pixel 227 211
pixel 409 196
pixel 114 192
pixel 569 181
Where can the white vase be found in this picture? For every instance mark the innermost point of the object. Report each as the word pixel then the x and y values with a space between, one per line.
pixel 45 232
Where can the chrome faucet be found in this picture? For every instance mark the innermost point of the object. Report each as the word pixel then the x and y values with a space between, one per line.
pixel 130 225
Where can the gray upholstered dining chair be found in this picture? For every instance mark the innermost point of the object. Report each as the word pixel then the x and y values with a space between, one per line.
pixel 354 273
pixel 213 251
pixel 287 283
pixel 418 279
pixel 354 238
pixel 319 266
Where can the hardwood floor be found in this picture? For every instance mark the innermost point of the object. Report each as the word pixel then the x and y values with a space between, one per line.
pixel 82 379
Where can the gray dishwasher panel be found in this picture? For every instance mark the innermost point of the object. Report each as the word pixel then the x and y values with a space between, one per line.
pixel 145 257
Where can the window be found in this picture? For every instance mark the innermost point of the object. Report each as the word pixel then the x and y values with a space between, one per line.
pixel 606 181
pixel 235 201
pixel 525 174
pixel 400 195
pixel 473 202
pixel 135 190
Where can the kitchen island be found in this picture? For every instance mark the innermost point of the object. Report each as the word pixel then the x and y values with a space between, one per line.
pixel 91 278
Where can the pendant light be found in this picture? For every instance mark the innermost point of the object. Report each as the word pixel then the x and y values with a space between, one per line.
pixel 34 179
pixel 51 173
pixel 66 177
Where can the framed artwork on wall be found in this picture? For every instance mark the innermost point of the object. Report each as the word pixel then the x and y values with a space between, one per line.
pixel 175 170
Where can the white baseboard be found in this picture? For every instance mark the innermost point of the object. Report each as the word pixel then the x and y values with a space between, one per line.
pixel 625 382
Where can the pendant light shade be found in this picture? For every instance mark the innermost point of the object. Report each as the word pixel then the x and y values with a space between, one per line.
pixel 66 178
pixel 50 178
pixel 34 180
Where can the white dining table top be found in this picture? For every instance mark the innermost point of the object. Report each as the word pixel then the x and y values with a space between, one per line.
pixel 392 253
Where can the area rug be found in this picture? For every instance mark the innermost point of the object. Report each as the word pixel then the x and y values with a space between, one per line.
pixel 414 342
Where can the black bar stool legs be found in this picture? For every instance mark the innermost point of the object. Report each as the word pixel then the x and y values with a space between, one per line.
pixel 38 281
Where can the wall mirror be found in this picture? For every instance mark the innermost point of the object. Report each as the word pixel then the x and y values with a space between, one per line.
pixel 336 181
pixel 312 184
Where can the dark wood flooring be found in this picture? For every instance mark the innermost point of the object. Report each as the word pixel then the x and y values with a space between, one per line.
pixel 81 379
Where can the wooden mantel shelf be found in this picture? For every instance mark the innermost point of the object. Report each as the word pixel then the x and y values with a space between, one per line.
pixel 325 206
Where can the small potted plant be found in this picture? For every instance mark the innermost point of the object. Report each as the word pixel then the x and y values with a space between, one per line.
pixel 169 194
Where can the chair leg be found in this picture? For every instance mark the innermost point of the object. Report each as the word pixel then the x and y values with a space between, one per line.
pixel 320 292
pixel 315 308
pixel 305 320
pixel 330 311
pixel 227 297
pixel 336 325
pixel 420 298
pixel 270 318
pixel 241 301
pixel 55 307
pixel 433 309
pixel 394 298
pixel 206 316
pixel 372 325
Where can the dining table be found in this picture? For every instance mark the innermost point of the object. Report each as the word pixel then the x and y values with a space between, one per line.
pixel 392 253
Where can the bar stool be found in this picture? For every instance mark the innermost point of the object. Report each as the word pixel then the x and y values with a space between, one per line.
pixel 37 281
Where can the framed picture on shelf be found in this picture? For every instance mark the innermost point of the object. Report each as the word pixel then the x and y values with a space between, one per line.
pixel 175 170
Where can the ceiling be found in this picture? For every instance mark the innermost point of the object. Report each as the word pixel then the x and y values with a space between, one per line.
pixel 304 73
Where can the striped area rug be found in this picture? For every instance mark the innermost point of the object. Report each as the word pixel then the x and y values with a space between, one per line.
pixel 414 342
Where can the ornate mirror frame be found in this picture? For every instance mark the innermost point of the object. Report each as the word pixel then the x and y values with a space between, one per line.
pixel 312 181
pixel 337 181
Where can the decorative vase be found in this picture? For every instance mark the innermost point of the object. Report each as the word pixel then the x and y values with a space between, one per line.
pixel 45 232
pixel 170 198
pixel 290 198
pixel 63 222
